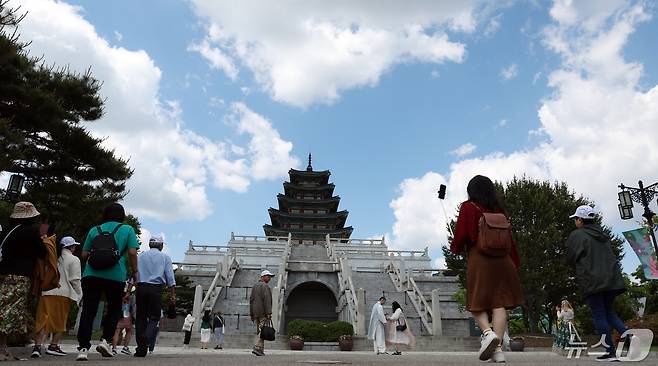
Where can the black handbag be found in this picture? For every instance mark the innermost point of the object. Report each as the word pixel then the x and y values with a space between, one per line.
pixel 401 327
pixel 267 332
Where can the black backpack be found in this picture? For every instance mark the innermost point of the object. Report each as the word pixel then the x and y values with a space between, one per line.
pixel 104 253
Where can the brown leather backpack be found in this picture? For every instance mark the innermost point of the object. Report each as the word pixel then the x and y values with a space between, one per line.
pixel 494 234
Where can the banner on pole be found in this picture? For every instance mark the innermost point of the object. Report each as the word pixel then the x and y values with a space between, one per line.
pixel 640 241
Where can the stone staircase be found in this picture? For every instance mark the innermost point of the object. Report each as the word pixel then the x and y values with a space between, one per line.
pixel 233 302
pixel 370 280
pixel 454 322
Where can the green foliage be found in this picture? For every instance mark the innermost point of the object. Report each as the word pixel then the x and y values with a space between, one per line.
pixel 649 289
pixel 71 176
pixel 539 212
pixel 184 295
pixel 315 331
pixel 460 297
pixel 339 328
pixel 5 210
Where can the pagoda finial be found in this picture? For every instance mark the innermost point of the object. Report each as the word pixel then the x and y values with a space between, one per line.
pixel 309 168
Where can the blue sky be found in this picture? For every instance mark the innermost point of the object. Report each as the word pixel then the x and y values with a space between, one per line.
pixel 213 103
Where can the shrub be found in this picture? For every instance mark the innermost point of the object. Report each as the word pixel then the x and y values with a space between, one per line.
pixel 315 331
pixel 339 328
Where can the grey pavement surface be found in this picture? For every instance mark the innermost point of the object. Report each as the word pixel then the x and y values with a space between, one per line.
pixel 165 356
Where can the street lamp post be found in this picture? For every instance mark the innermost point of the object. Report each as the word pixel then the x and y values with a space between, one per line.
pixel 14 187
pixel 642 195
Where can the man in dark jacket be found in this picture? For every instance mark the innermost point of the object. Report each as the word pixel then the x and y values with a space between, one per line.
pixel 260 308
pixel 599 276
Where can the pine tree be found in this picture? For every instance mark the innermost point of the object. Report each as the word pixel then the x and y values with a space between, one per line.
pixel 43 113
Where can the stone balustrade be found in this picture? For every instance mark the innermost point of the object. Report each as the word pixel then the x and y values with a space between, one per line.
pixel 223 249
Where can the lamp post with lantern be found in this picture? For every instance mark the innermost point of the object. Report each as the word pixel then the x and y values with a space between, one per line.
pixel 642 195
pixel 15 187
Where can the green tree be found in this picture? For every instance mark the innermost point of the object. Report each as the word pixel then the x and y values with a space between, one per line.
pixel 647 288
pixel 539 212
pixel 43 112
pixel 184 295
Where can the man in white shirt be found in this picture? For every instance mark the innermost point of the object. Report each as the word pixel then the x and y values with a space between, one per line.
pixel 376 330
pixel 155 271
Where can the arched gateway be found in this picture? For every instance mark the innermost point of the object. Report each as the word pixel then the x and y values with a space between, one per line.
pixel 311 301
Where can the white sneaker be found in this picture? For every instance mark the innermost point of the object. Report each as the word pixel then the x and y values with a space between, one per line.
pixel 489 344
pixel 82 355
pixel 104 349
pixel 498 356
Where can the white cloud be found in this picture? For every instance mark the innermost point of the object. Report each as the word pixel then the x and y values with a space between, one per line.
pixel 118 36
pixel 510 72
pixel 536 77
pixel 216 102
pixel 464 150
pixel 270 154
pixel 435 74
pixel 216 58
pixel 493 26
pixel 303 53
pixel 590 142
pixel 173 165
pixel 502 123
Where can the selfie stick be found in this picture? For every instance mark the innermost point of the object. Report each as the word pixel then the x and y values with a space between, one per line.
pixel 442 196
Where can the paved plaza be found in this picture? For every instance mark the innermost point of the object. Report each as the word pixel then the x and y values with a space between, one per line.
pixel 166 356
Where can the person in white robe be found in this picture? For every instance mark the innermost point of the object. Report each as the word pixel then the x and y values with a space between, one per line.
pixel 376 330
pixel 398 333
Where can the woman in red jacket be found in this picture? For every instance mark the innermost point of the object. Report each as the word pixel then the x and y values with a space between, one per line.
pixel 492 283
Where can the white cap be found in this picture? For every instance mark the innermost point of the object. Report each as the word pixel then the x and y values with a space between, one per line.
pixel 156 239
pixel 266 273
pixel 67 241
pixel 584 212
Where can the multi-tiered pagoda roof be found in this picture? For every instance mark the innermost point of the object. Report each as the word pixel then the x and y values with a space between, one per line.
pixel 308 208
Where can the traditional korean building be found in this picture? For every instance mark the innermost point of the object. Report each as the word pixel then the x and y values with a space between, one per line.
pixel 322 273
pixel 308 209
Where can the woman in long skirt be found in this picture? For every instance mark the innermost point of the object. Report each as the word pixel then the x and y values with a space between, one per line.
pixel 398 332
pixel 206 326
pixel 492 281
pixel 566 330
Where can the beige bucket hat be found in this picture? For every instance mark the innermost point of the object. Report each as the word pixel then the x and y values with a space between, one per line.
pixel 24 210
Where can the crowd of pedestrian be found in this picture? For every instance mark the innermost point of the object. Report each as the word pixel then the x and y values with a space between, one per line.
pixel 37 272
pixel 132 285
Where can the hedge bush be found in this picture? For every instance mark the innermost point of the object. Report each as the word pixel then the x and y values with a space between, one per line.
pixel 315 331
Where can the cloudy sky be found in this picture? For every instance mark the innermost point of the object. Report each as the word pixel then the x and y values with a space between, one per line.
pixel 213 102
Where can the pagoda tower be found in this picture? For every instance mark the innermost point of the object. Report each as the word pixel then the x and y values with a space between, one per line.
pixel 308 209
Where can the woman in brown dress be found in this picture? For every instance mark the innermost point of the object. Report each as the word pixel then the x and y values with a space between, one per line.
pixel 492 283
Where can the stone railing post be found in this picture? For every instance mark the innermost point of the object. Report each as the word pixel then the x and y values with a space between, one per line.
pixel 437 327
pixel 402 267
pixel 196 309
pixel 360 326
pixel 276 294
